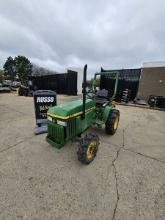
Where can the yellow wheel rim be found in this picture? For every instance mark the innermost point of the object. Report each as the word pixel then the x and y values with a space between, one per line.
pixel 91 149
pixel 116 123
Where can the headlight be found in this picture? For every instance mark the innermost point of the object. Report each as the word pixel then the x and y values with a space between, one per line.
pixel 63 123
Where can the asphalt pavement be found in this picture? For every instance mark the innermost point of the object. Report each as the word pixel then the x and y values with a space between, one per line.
pixel 125 181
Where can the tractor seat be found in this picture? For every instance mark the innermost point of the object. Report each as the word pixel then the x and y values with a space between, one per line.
pixel 101 96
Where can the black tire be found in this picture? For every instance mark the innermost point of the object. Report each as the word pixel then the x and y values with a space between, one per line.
pixel 112 122
pixel 152 101
pixel 88 148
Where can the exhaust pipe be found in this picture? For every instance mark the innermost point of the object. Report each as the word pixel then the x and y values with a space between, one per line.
pixel 84 89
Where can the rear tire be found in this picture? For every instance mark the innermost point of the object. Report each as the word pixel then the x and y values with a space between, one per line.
pixel 88 148
pixel 112 122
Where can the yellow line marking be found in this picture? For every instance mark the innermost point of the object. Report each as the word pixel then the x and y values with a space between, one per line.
pixel 70 116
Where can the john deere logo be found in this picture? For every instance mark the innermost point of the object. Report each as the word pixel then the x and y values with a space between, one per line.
pixel 45 99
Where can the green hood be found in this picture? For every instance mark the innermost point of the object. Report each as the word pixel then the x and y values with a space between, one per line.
pixel 70 108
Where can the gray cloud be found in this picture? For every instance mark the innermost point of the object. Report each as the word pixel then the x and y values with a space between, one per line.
pixel 58 34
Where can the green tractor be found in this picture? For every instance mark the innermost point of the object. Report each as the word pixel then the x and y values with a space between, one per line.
pixel 69 120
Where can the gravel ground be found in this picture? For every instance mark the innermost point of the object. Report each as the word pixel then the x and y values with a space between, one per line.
pixel 125 181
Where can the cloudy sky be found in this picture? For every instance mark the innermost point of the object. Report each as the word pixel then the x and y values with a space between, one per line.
pixel 60 33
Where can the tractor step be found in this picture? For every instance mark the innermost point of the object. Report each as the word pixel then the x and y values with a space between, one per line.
pixel 99 123
pixel 55 144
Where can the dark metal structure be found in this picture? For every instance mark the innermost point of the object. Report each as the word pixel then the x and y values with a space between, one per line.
pixel 157 101
pixel 63 83
pixel 128 80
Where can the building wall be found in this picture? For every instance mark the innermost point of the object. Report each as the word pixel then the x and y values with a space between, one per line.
pixel 152 82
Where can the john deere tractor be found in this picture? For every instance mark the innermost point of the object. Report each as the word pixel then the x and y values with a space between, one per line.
pixel 69 120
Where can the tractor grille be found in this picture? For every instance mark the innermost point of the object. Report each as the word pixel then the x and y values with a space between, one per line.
pixel 71 128
pixel 56 132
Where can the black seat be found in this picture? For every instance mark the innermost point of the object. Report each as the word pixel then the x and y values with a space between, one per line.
pixel 101 96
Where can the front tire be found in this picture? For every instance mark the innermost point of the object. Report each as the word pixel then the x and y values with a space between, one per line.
pixel 88 148
pixel 112 122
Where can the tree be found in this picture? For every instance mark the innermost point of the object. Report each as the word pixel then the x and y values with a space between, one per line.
pixel 9 68
pixel 90 82
pixel 1 76
pixel 23 68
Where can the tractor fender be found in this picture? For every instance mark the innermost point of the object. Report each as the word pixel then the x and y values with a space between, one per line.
pixel 106 112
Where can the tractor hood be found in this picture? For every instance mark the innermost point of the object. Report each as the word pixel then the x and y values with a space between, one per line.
pixel 70 109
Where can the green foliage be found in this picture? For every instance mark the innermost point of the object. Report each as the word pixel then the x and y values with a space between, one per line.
pixel 9 69
pixel 19 66
pixel 23 68
pixel 90 82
